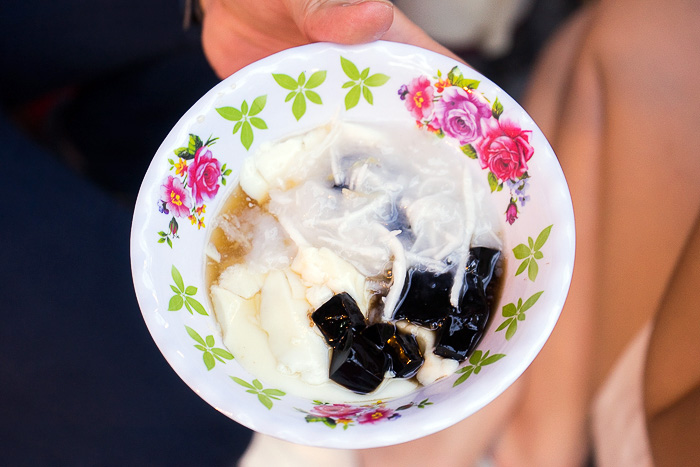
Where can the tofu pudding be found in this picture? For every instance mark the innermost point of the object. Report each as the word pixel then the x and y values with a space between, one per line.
pixel 354 263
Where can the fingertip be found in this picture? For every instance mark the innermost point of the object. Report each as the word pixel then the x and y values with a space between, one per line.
pixel 348 22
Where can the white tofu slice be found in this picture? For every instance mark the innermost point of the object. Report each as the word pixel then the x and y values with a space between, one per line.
pixel 322 267
pixel 434 367
pixel 230 309
pixel 239 279
pixel 293 342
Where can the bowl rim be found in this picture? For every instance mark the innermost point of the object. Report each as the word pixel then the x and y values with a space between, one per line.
pixel 438 419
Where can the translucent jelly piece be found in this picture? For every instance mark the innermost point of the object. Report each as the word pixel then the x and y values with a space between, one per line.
pixel 361 369
pixel 457 339
pixel 338 318
pixel 404 357
pixel 425 298
pixel 482 261
pixel 462 329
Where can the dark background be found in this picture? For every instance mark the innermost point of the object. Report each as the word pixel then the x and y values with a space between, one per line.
pixel 88 90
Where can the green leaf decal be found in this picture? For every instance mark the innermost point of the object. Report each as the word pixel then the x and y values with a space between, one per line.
pixel 299 106
pixel 242 382
pixel 532 270
pixel 523 266
pixel 503 325
pixel 300 90
pixel 542 237
pixel 530 253
pixel 246 135
pixel 531 301
pixel 316 79
pixel 258 123
pixel 475 357
pixel 477 361
pixel 208 359
pixel 353 97
pixel 175 303
pixel 286 81
pixel 493 181
pixel 258 105
pixel 184 296
pixel 367 94
pixel 492 359
pixel 229 113
pixel 470 83
pixel 377 79
pixel 194 143
pixel 264 400
pixel 222 353
pixel 210 341
pixel 350 69
pixel 210 353
pixel 179 283
pixel 512 328
pixel 509 310
pixel 470 152
pixel 455 76
pixel 521 251
pixel 359 83
pixel 245 117
pixel 516 312
pixel 195 335
pixel 313 97
pixel 265 396
pixel 496 109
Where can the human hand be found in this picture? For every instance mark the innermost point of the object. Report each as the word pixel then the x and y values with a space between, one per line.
pixel 236 33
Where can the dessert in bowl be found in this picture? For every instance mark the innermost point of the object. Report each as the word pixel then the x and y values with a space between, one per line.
pixel 330 175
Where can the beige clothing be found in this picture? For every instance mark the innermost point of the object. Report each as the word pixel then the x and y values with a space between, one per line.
pixel 267 451
pixel 618 423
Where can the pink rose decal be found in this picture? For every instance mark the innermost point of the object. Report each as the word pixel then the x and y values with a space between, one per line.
pixel 175 197
pixel 376 415
pixel 459 113
pixel 197 177
pixel 462 113
pixel 418 97
pixel 342 411
pixel 347 415
pixel 504 149
pixel 204 173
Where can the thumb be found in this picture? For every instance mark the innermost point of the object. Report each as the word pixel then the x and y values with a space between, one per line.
pixel 342 21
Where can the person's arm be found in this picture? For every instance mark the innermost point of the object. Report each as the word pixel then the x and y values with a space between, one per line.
pixel 549 424
pixel 236 33
pixel 672 379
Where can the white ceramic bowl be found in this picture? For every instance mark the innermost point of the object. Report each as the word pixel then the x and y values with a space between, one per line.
pixel 168 239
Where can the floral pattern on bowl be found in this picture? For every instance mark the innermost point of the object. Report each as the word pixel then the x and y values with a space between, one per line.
pixel 452 106
pixel 293 92
pixel 197 176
